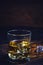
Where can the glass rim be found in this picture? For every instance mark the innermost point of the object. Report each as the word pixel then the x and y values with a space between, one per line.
pixel 25 34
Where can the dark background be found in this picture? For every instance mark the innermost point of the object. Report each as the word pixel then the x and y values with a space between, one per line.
pixel 21 14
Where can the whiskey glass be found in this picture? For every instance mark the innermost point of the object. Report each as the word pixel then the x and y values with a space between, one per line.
pixel 19 44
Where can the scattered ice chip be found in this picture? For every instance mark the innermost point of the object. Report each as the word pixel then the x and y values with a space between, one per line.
pixel 18 51
pixel 11 56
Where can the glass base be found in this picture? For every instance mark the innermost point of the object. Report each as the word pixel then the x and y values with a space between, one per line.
pixel 20 61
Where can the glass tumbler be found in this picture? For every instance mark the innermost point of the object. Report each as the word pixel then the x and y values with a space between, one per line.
pixel 19 44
